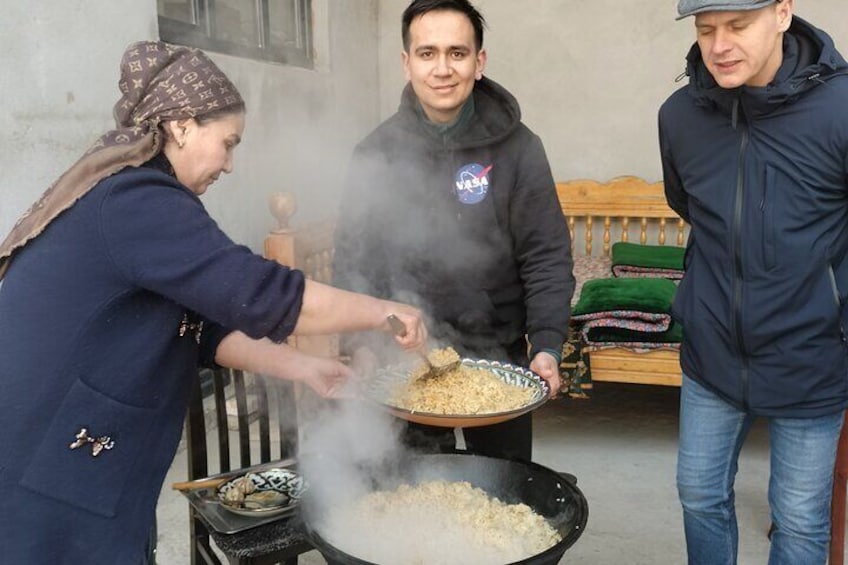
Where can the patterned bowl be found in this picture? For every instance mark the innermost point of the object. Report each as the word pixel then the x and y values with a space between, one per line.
pixel 286 484
pixel 379 389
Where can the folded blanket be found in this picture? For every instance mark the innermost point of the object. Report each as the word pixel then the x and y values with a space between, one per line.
pixel 626 310
pixel 634 339
pixel 644 295
pixel 635 260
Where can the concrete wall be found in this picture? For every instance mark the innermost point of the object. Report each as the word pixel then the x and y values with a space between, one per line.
pixel 589 75
pixel 58 83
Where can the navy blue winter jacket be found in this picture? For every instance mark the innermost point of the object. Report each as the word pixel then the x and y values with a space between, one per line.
pixel 761 174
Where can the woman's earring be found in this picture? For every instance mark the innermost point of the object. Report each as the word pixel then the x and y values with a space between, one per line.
pixel 180 143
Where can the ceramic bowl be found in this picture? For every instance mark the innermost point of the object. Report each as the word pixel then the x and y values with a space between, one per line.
pixel 284 485
pixel 379 389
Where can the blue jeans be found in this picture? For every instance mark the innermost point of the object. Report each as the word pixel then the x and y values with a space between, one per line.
pixel 803 454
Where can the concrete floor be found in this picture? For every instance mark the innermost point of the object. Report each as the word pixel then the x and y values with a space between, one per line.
pixel 621 445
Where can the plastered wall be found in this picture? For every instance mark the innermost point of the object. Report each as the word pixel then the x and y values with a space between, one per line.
pixel 590 75
pixel 59 66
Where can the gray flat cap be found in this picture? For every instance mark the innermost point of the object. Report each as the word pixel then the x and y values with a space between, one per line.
pixel 691 7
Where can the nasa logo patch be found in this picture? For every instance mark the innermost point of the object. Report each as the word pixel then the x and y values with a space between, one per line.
pixel 472 183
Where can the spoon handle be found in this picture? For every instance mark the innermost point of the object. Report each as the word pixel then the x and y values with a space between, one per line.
pixel 400 330
pixel 398 327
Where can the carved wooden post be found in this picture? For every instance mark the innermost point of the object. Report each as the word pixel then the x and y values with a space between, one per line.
pixel 280 242
pixel 309 249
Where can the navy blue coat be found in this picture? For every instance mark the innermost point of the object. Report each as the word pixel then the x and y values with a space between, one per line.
pixel 90 317
pixel 761 174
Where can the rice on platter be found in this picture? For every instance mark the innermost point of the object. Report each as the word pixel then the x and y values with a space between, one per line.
pixel 437 523
pixel 463 390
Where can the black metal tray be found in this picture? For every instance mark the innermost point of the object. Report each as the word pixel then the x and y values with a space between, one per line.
pixel 205 502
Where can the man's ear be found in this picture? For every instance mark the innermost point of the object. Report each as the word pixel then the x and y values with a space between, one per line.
pixel 784 14
pixel 404 59
pixel 482 58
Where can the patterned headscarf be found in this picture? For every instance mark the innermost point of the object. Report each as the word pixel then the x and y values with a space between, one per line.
pixel 159 82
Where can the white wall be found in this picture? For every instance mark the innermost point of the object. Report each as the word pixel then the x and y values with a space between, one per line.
pixel 58 83
pixel 589 75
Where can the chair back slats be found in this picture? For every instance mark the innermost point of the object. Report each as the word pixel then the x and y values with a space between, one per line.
pixel 242 419
pixel 286 418
pixel 196 433
pixel 254 421
pixel 262 409
pixel 223 436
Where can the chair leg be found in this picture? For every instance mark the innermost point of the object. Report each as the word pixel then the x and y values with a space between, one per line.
pixel 204 553
pixel 837 504
pixel 201 550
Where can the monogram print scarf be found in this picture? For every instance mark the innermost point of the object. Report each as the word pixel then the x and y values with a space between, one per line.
pixel 159 82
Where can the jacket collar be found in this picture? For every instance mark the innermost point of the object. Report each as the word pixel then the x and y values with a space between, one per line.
pixel 809 59
pixel 496 115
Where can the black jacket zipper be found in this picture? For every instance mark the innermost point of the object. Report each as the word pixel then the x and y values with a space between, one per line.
pixel 738 277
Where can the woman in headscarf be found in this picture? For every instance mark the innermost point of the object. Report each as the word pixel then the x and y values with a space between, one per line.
pixel 117 286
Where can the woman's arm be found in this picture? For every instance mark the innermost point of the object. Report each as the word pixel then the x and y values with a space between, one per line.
pixel 327 309
pixel 162 239
pixel 262 356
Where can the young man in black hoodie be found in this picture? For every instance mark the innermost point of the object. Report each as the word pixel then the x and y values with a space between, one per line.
pixel 754 158
pixel 451 203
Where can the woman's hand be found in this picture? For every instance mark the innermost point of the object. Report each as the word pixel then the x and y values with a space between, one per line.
pixel 327 377
pixel 415 334
pixel 545 365
pixel 364 362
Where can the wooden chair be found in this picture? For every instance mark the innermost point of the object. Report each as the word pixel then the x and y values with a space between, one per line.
pixel 310 249
pixel 265 429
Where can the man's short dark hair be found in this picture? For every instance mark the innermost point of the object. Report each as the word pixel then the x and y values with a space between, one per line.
pixel 421 7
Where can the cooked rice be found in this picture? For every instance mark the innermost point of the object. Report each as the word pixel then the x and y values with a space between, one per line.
pixel 442 357
pixel 438 522
pixel 462 390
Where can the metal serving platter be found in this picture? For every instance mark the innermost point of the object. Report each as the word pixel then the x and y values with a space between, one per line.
pixel 222 519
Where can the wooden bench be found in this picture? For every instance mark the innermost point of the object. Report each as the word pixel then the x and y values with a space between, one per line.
pixel 626 208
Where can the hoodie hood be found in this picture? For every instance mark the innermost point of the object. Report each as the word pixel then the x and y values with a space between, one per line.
pixel 497 112
pixel 809 59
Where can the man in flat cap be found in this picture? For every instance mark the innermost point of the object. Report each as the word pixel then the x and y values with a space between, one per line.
pixel 755 157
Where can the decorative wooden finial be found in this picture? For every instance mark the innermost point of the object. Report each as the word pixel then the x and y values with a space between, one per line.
pixel 283 207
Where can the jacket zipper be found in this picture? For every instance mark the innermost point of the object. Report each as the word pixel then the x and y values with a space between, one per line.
pixel 738 263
